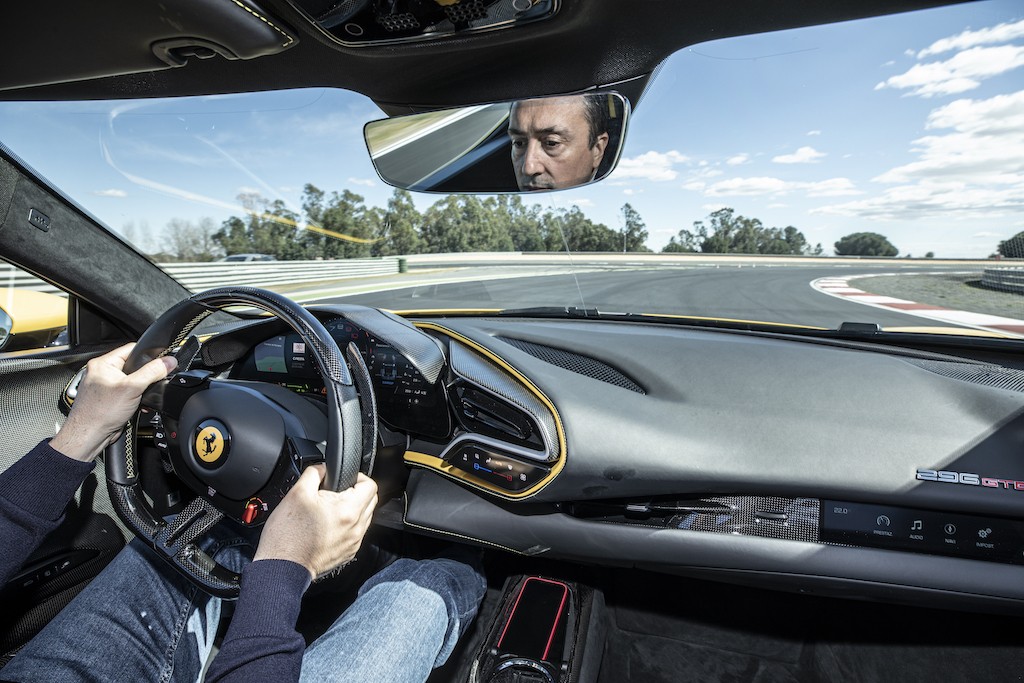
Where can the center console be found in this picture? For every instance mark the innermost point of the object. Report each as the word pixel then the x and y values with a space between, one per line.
pixel 545 631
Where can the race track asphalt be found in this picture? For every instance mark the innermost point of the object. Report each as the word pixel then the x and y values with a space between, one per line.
pixel 769 294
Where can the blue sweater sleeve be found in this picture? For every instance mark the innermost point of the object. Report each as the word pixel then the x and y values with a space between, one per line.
pixel 262 643
pixel 33 495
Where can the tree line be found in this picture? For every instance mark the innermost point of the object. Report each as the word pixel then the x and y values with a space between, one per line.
pixel 340 225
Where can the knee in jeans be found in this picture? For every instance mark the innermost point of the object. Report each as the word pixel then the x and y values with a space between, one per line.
pixel 460 586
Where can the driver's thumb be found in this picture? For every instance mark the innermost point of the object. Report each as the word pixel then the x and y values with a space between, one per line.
pixel 311 478
pixel 156 369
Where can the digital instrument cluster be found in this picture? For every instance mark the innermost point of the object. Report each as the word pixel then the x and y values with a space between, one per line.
pixel 405 400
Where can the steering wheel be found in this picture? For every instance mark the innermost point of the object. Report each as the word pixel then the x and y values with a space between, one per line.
pixel 239 446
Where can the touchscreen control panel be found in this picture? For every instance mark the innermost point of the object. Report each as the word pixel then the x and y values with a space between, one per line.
pixel 497 468
pixel 940 533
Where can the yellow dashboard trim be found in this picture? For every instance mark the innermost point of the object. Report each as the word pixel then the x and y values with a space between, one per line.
pixel 436 464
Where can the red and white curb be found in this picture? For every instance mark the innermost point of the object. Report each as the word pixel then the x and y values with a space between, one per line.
pixel 840 288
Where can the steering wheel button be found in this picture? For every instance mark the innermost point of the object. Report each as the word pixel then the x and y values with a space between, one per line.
pixel 191 378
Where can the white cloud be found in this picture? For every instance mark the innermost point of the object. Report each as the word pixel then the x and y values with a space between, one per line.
pixel 711 208
pixel 698 179
pixel 582 202
pixel 972 165
pixel 814 132
pixel 368 182
pixel 985 147
pixel 804 155
pixel 778 205
pixel 110 193
pixel 833 187
pixel 986 234
pixel 630 191
pixel 962 72
pixel 654 166
pixel 1001 33
pixel 245 189
pixel 931 199
pixel 909 53
pixel 890 62
pixel 738 159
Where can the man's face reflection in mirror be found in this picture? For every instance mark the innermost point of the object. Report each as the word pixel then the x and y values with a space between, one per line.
pixel 558 142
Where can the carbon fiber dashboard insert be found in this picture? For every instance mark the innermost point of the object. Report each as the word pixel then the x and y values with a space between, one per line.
pixel 575 362
pixel 791 519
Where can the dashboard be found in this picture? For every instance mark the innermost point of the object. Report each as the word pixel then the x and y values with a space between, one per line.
pixel 808 465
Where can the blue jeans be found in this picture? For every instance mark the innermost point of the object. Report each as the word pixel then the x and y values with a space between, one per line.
pixel 139 620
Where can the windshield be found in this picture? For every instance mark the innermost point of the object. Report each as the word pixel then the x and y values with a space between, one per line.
pixel 870 171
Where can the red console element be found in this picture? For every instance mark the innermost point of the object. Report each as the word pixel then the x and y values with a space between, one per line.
pixel 545 631
pixel 529 633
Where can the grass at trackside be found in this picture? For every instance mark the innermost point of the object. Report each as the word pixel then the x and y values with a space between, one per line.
pixel 957 291
pixel 388 132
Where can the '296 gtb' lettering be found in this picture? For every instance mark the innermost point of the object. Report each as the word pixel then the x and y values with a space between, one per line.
pixel 970 479
pixel 948 477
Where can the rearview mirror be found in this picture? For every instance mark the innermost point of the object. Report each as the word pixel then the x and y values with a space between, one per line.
pixel 544 143
pixel 5 327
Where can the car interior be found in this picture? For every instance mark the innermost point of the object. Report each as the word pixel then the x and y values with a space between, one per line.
pixel 656 498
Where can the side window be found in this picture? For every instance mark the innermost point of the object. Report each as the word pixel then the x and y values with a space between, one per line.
pixel 33 313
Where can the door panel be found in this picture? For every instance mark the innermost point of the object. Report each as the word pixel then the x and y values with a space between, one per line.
pixel 90 535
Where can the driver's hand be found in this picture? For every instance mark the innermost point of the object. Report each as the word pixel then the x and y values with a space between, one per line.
pixel 318 529
pixel 107 398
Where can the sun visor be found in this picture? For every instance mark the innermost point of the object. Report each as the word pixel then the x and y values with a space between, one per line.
pixel 93 40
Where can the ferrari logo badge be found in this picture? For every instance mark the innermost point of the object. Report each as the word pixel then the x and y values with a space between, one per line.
pixel 210 441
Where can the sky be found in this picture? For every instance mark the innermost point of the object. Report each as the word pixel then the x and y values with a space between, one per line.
pixel 910 125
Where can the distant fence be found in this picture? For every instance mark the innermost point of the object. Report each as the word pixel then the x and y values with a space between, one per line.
pixel 1004 279
pixel 200 276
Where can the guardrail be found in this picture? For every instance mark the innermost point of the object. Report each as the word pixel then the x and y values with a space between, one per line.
pixel 1004 279
pixel 200 276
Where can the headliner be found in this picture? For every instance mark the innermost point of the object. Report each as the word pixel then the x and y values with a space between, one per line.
pixel 589 43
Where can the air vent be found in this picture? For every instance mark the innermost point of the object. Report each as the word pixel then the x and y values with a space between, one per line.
pixel 482 413
pixel 574 362
pixel 996 376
